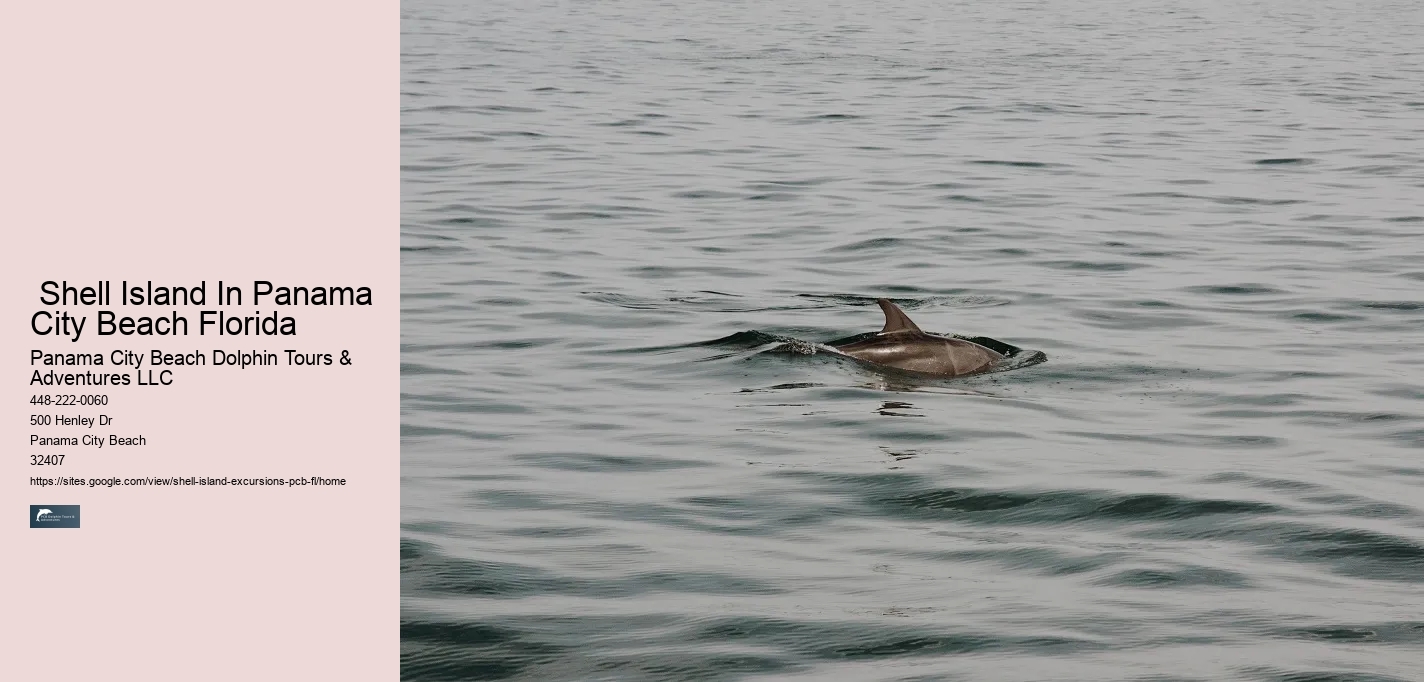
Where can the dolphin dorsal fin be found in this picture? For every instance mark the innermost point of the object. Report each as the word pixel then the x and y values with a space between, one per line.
pixel 895 319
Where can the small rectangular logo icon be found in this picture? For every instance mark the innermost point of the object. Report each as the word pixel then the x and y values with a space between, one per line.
pixel 54 516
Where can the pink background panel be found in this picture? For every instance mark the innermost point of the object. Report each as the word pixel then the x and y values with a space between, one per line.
pixel 184 142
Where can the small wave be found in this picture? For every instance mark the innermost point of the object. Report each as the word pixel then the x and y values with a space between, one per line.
pixel 1284 162
pixel 876 243
pixel 1016 164
pixel 1235 289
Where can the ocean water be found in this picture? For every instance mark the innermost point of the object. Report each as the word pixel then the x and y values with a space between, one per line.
pixel 1208 215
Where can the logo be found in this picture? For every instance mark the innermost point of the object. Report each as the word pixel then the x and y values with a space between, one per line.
pixel 54 516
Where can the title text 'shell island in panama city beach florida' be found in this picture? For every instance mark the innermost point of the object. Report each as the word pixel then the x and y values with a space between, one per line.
pixel 61 322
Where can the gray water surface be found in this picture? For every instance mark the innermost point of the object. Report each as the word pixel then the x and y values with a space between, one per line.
pixel 1209 216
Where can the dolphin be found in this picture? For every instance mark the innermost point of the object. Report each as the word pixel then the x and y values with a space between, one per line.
pixel 902 345
pixel 41 513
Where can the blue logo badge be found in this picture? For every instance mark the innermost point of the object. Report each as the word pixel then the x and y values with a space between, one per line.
pixel 54 516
